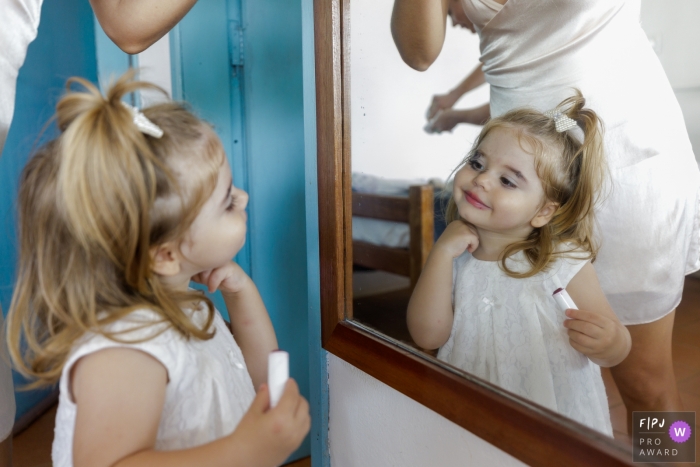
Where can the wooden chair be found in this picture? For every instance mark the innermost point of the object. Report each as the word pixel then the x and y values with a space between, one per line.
pixel 417 211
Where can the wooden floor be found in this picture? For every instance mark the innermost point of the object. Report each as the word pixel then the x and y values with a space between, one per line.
pixel 32 447
pixel 686 363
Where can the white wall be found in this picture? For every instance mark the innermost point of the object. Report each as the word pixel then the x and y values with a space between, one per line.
pixel 154 66
pixel 673 29
pixel 389 99
pixel 372 425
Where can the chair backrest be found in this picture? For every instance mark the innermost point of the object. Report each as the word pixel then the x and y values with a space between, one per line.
pixel 417 211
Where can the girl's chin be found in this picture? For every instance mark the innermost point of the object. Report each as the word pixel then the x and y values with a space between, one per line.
pixel 466 216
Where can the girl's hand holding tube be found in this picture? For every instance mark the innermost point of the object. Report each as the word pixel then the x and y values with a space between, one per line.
pixel 266 436
pixel 601 338
pixel 598 334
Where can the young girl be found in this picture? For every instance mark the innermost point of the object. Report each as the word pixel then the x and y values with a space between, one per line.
pixel 116 216
pixel 521 226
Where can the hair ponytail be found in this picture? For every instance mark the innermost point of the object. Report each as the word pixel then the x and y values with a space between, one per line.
pixel 580 188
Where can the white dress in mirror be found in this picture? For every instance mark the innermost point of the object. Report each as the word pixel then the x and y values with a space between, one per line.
pixel 510 332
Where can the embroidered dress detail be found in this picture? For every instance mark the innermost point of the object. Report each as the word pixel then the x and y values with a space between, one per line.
pixel 510 332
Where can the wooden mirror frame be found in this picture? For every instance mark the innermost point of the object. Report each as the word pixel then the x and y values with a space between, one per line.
pixel 528 432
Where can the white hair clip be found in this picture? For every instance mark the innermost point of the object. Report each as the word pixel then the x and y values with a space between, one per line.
pixel 561 121
pixel 143 123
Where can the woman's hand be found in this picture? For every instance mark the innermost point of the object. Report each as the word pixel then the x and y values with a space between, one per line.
pixel 457 238
pixel 446 120
pixel 267 436
pixel 599 337
pixel 441 102
pixel 229 278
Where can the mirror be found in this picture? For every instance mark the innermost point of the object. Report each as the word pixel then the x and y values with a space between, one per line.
pixel 513 424
pixel 399 175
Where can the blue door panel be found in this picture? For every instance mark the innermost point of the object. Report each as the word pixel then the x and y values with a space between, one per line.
pixel 239 66
pixel 276 167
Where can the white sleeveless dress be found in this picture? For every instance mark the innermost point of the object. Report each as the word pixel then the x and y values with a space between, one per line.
pixel 19 23
pixel 510 332
pixel 533 53
pixel 208 392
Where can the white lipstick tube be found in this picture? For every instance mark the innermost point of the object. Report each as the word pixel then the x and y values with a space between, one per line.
pixel 277 374
pixel 563 300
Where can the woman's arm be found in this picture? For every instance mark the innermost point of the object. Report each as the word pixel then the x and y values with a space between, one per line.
pixel 447 101
pixel 418 28
pixel 446 120
pixel 429 316
pixel 134 25
pixel 594 330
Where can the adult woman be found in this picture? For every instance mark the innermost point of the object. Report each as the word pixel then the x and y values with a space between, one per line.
pixel 533 54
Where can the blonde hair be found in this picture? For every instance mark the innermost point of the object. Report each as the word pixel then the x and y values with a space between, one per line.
pixel 572 173
pixel 92 203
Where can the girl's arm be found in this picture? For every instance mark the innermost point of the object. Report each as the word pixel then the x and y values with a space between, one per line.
pixel 418 28
pixel 429 315
pixel 252 328
pixel 594 330
pixel 134 25
pixel 250 323
pixel 120 394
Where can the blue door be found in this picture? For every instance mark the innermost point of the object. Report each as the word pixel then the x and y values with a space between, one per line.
pixel 239 64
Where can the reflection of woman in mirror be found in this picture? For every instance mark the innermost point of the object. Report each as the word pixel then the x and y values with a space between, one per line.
pixel 442 117
pixel 521 227
pixel 532 54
